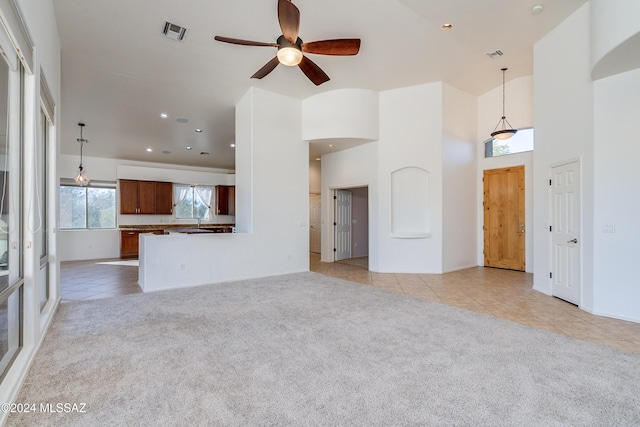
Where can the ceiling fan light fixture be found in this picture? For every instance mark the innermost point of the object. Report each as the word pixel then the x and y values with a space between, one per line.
pixel 289 56
pixel 506 131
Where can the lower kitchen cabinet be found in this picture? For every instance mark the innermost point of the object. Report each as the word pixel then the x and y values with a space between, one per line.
pixel 129 240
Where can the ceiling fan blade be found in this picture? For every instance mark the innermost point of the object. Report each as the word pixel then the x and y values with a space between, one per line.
pixel 340 47
pixel 311 70
pixel 243 42
pixel 289 19
pixel 266 69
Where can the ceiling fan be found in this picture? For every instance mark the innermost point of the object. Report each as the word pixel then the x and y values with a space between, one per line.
pixel 291 47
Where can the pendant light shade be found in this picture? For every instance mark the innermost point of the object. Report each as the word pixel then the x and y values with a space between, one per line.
pixel 81 178
pixel 503 129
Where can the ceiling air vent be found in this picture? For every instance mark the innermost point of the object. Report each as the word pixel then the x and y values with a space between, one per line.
pixel 494 54
pixel 173 31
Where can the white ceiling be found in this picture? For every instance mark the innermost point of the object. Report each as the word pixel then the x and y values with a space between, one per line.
pixel 119 73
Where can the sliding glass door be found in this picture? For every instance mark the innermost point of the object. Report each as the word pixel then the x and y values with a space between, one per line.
pixel 11 273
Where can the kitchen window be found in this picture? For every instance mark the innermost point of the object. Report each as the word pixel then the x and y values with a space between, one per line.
pixel 192 201
pixel 91 207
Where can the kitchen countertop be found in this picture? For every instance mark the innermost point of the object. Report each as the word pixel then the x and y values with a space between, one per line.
pixel 169 227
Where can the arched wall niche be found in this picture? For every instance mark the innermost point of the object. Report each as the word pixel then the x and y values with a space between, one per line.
pixel 410 203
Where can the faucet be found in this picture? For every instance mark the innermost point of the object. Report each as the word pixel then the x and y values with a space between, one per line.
pixel 199 219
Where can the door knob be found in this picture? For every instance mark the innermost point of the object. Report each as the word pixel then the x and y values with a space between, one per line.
pixel 572 241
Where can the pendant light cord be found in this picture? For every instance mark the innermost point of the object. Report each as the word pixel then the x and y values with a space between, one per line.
pixel 81 144
pixel 503 96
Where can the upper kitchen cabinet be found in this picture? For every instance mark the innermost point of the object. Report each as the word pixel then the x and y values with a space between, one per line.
pixel 225 200
pixel 145 197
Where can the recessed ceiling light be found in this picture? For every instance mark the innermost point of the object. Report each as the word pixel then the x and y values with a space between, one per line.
pixel 164 115
pixel 232 145
pixel 182 120
pixel 537 9
pixel 330 145
pixel 446 26
pixel 198 130
pixel 188 148
pixel 149 150
pixel 318 158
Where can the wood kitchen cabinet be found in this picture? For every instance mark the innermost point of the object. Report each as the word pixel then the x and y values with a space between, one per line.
pixel 146 197
pixel 225 200
pixel 129 242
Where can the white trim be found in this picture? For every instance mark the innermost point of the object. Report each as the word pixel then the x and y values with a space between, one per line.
pixel 13 23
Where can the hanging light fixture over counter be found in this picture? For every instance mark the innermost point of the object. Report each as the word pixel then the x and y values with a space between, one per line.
pixel 506 131
pixel 81 178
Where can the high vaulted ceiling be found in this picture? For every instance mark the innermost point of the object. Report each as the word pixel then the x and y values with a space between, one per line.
pixel 119 73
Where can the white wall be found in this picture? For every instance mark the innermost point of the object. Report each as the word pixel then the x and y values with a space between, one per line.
pixel 616 276
pixel 459 204
pixel 344 113
pixel 278 240
pixel 411 132
pixel 615 36
pixel 78 245
pixel 563 116
pixel 519 108
pixel 315 171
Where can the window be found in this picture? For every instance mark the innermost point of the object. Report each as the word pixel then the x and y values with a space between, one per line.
pixel 519 143
pixel 88 207
pixel 192 201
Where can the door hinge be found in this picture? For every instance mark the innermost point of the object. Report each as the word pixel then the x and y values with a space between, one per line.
pixel 335 197
pixel 550 227
pixel 549 182
pixel 335 223
pixel 550 275
pixel 335 250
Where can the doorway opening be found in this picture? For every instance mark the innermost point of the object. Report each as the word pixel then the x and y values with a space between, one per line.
pixel 351 226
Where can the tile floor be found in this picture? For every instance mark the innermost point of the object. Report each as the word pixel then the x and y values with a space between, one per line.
pixel 500 293
pixel 85 280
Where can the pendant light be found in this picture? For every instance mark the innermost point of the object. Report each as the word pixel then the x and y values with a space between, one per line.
pixel 504 132
pixel 81 178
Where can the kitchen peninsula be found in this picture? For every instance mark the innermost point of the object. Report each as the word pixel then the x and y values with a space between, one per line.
pixel 130 234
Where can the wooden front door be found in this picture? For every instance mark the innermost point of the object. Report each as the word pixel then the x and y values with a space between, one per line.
pixel 504 233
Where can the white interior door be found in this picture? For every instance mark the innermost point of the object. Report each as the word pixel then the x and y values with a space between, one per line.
pixel 342 199
pixel 565 232
pixel 314 222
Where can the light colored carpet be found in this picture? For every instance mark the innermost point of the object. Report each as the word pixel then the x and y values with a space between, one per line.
pixel 131 262
pixel 310 350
